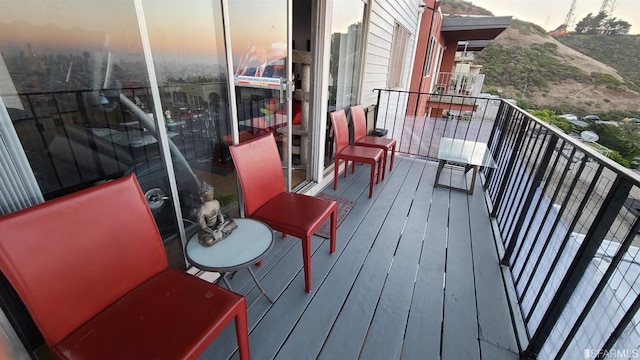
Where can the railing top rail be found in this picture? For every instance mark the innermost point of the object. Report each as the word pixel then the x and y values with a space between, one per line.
pixel 605 161
pixel 593 153
pixel 434 94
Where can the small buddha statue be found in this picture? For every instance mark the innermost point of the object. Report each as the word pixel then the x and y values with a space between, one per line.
pixel 213 225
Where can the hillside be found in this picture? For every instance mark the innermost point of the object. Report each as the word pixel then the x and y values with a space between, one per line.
pixel 526 63
pixel 621 52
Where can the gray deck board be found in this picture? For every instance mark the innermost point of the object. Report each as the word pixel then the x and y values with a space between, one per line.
pixel 351 326
pixel 460 327
pixel 384 294
pixel 422 337
pixel 386 332
pixel 315 325
pixel 494 324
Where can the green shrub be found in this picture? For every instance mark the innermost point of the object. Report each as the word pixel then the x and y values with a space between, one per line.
pixel 615 156
pixel 605 79
pixel 550 117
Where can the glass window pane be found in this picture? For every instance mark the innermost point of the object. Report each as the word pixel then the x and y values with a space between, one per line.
pixel 69 65
pixel 346 40
pixel 187 44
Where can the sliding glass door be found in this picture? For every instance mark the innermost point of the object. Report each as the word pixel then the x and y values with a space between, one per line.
pixel 260 40
pixel 96 90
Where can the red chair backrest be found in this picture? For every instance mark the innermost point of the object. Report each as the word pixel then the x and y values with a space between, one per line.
pixel 71 257
pixel 340 129
pixel 359 122
pixel 259 170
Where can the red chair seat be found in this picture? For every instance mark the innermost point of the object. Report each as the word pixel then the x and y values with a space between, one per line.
pixel 310 212
pixel 173 303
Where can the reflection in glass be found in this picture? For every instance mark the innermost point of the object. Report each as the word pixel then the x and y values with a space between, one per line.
pixel 346 40
pixel 76 86
pixel 258 31
pixel 69 70
pixel 189 60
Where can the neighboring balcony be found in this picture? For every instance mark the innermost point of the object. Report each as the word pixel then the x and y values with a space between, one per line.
pixel 462 84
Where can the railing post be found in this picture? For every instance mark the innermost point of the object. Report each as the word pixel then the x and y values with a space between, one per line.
pixel 593 239
pixel 512 160
pixel 501 123
pixel 537 181
pixel 615 261
pixel 375 113
pixel 624 322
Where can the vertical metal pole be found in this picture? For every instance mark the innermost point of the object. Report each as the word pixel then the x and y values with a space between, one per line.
pixel 598 290
pixel 626 320
pixel 537 180
pixel 558 217
pixel 289 92
pixel 512 160
pixel 602 222
pixel 160 130
pixel 375 114
pixel 560 251
pixel 231 87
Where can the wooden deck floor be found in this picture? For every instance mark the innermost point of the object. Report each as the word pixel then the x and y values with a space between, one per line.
pixel 415 276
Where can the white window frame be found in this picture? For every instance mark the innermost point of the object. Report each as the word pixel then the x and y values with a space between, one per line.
pixel 399 45
pixel 426 72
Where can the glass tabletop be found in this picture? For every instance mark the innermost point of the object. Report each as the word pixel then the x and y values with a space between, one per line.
pixel 245 245
pixel 466 152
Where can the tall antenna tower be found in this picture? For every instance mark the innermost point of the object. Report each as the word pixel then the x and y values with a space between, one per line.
pixel 607 6
pixel 569 19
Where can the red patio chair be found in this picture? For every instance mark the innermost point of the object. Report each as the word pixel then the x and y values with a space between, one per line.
pixel 360 137
pixel 92 271
pixel 346 152
pixel 259 170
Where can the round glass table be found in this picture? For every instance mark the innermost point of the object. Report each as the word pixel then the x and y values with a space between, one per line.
pixel 246 245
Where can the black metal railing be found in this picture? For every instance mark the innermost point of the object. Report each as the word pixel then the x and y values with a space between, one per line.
pixel 75 138
pixel 569 221
pixel 418 120
pixel 566 216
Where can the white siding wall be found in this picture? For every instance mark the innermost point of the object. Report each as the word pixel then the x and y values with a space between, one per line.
pixel 384 15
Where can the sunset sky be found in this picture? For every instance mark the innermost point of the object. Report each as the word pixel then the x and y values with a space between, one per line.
pixel 551 13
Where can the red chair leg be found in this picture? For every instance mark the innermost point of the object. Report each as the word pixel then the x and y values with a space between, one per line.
pixel 373 170
pixel 334 222
pixel 242 330
pixel 384 164
pixel 306 260
pixel 335 174
pixel 393 156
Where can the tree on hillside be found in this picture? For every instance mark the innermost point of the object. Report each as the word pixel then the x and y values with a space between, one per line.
pixel 615 26
pixel 623 139
pixel 601 25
